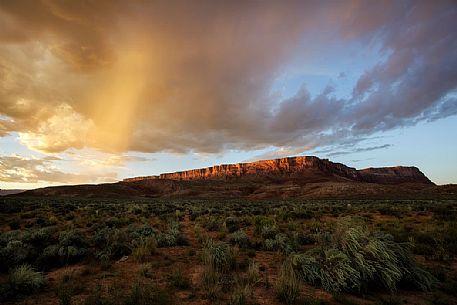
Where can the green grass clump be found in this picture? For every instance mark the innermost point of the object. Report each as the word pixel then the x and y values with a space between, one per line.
pixel 211 283
pixel 240 238
pixel 353 258
pixel 25 280
pixel 179 280
pixel 253 274
pixel 143 248
pixel 241 295
pixel 218 256
pixel 173 237
pixel 288 289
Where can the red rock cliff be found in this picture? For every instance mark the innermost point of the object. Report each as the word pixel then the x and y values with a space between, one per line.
pixel 297 166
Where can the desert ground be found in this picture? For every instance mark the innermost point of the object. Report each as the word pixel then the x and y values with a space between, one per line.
pixel 214 251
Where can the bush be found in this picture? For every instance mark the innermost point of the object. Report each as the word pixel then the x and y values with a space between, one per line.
pixel 173 237
pixel 72 246
pixel 111 244
pixel 25 280
pixel 353 258
pixel 218 256
pixel 280 242
pixel 240 238
pixel 212 224
pixel 261 222
pixel 269 232
pixel 232 224
pixel 144 248
pixel 179 280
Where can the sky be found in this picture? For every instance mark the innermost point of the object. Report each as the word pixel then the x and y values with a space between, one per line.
pixel 97 91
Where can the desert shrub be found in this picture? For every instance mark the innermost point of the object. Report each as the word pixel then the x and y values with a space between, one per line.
pixel 25 280
pixel 178 280
pixel 280 242
pixel 298 213
pixel 330 268
pixel 72 246
pixel 444 213
pixel 142 231
pixel 253 274
pixel 19 247
pixel 50 256
pixel 232 224
pixel 218 256
pixel 64 290
pixel 300 238
pixel 353 258
pixel 211 223
pixel 211 283
pixel 240 238
pixel 390 211
pixel 40 237
pixel 15 252
pixel 262 221
pixel 287 287
pixel 241 295
pixel 446 241
pixel 269 232
pixel 111 244
pixel 146 270
pixel 424 243
pixel 173 237
pixel 143 248
pixel 144 294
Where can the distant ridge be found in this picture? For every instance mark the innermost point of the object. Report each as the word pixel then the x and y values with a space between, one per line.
pixel 296 167
pixel 305 177
pixel 10 192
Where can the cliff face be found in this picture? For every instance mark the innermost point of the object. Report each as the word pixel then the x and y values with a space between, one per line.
pixel 391 175
pixel 278 167
pixel 296 167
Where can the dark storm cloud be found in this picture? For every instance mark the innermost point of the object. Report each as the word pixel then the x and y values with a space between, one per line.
pixel 180 76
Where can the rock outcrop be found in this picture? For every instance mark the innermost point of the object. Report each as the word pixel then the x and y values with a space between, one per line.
pixel 297 167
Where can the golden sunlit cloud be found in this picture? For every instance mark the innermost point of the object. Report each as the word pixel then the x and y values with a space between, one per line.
pixel 32 170
pixel 65 128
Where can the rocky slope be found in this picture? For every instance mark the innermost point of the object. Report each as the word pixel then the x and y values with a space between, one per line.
pixel 297 167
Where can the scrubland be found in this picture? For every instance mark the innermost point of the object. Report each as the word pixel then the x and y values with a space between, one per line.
pixel 158 251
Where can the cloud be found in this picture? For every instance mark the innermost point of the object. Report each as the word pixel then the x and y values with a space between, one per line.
pixel 32 170
pixel 64 129
pixel 98 160
pixel 176 76
pixel 358 150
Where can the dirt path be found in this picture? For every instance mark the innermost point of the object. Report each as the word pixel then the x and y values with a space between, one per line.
pixel 188 230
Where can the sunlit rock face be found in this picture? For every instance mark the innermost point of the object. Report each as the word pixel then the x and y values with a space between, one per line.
pixel 297 167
